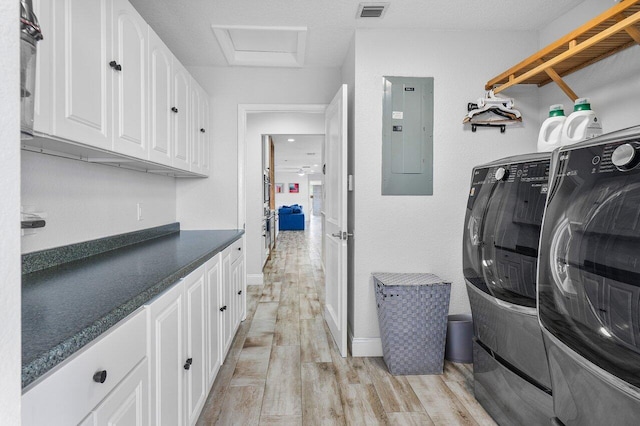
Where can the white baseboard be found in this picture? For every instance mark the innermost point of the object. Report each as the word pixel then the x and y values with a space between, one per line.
pixel 255 279
pixel 364 346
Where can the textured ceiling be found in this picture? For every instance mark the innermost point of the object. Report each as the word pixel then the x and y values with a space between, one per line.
pixel 185 25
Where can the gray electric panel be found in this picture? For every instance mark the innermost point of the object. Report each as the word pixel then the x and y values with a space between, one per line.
pixel 407 136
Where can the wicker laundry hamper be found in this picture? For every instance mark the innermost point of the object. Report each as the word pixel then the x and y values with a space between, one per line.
pixel 412 313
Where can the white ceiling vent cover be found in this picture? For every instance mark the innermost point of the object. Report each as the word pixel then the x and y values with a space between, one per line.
pixel 372 10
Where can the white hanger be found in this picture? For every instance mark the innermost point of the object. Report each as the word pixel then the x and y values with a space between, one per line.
pixel 493 102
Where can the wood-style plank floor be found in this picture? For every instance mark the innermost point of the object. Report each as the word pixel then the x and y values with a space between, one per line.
pixel 284 368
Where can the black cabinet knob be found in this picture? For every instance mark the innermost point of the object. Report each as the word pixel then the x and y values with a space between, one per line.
pixel 202 130
pixel 174 109
pixel 239 248
pixel 116 66
pixel 187 365
pixel 240 292
pixel 224 308
pixel 100 376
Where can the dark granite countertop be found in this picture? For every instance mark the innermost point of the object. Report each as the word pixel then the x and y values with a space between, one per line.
pixel 67 306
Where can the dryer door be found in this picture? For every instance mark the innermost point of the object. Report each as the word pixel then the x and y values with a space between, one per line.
pixel 502 232
pixel 589 276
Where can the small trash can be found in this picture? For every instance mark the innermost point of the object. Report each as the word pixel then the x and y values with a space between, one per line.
pixel 459 347
pixel 412 313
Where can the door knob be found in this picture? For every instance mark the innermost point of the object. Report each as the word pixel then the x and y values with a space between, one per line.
pixel 100 376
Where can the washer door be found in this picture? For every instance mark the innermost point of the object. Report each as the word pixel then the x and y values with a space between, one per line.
pixel 589 277
pixel 502 230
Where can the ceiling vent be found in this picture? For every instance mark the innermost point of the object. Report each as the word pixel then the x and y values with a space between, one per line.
pixel 372 10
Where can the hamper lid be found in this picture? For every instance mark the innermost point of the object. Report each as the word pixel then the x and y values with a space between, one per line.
pixel 395 278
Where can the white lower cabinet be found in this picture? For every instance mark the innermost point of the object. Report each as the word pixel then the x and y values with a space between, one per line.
pixel 69 392
pixel 232 293
pixel 214 354
pixel 178 341
pixel 156 366
pixel 128 404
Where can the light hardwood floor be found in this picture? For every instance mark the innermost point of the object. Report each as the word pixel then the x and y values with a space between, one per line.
pixel 284 369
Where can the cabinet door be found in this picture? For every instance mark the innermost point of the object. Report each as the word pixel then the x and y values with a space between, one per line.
pixel 44 62
pixel 195 362
pixel 128 404
pixel 167 358
pixel 180 109
pixel 204 132
pixel 160 100
pixel 130 80
pixel 82 86
pixel 226 317
pixel 214 339
pixel 194 120
pixel 242 290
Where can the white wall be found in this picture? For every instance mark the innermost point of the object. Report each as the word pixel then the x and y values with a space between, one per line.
pixel 286 198
pixel 613 85
pixel 424 233
pixel 87 201
pixel 213 203
pixel 259 124
pixel 10 328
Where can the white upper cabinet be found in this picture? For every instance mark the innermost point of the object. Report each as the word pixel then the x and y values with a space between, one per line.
pixel 129 42
pixel 180 109
pixel 205 147
pixel 44 63
pixel 195 119
pixel 82 104
pixel 105 80
pixel 160 100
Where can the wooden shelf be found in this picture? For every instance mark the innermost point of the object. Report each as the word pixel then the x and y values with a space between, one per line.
pixel 609 33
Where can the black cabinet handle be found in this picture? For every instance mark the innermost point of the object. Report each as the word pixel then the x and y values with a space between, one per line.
pixel 187 365
pixel 240 292
pixel 100 376
pixel 202 130
pixel 116 66
pixel 224 308
pixel 239 248
pixel 174 109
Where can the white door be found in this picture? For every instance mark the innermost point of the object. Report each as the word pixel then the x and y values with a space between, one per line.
pixel 160 100
pixel 194 126
pixel 127 404
pixel 213 278
pixel 180 131
pixel 196 387
pixel 167 358
pixel 129 80
pixel 335 238
pixel 82 53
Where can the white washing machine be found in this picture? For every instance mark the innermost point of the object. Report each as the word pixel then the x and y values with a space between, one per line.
pixel 589 280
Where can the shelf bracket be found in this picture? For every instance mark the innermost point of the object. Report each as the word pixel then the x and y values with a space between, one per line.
pixel 633 32
pixel 560 82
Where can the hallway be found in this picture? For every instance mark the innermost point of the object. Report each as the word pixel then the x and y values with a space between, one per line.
pixel 284 368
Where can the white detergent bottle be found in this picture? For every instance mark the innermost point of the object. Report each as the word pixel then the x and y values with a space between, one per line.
pixel 551 129
pixel 581 124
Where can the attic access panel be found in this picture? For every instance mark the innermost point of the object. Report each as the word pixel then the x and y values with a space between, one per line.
pixel 407 136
